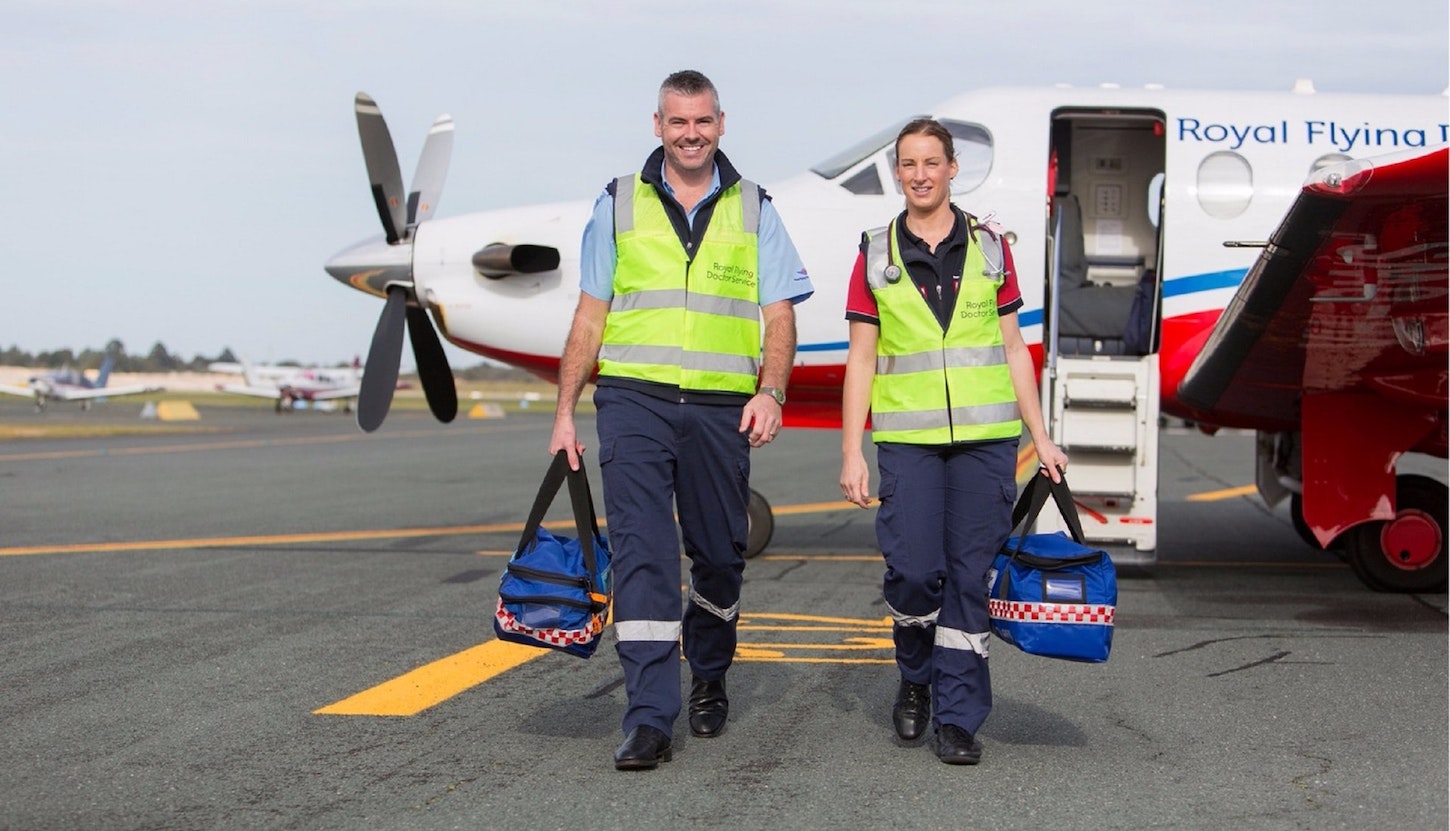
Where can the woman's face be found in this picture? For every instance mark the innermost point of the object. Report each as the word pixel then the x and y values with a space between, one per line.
pixel 924 172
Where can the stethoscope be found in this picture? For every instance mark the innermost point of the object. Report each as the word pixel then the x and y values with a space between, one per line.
pixel 892 272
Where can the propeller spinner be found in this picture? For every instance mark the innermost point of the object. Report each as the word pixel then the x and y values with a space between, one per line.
pixel 387 267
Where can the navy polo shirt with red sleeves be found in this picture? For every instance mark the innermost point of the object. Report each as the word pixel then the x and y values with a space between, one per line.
pixel 936 274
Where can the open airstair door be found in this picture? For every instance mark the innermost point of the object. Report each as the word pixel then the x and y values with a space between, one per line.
pixel 1100 384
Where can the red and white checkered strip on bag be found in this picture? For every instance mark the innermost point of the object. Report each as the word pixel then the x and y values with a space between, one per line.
pixel 557 637
pixel 1050 612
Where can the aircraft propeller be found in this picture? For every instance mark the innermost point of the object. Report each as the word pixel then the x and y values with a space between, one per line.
pixel 400 217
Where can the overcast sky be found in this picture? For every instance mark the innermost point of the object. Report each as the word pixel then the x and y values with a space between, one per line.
pixel 179 171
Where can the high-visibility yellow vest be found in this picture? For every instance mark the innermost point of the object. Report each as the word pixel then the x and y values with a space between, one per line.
pixel 935 387
pixel 688 322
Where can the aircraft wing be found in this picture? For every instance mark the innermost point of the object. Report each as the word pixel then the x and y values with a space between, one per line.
pixel 333 394
pixel 271 393
pixel 83 394
pixel 1348 299
pixel 10 389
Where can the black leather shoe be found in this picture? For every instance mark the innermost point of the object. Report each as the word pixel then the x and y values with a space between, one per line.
pixel 912 711
pixel 708 708
pixel 643 749
pixel 956 746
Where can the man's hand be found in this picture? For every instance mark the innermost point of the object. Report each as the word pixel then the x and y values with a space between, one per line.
pixel 565 439
pixel 762 418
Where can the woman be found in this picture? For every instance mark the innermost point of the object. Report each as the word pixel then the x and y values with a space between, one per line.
pixel 937 358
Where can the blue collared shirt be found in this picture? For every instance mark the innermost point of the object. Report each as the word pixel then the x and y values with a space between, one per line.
pixel 782 275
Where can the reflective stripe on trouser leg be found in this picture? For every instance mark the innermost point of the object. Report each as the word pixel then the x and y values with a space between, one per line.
pixel 636 462
pixel 712 492
pixel 910 532
pixel 979 496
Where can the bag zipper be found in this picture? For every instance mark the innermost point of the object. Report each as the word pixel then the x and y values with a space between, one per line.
pixel 548 576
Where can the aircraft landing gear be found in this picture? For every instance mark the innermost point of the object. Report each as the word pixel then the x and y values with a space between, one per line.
pixel 761 525
pixel 1407 553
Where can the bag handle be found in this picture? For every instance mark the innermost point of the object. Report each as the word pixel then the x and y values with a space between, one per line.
pixel 1034 497
pixel 582 502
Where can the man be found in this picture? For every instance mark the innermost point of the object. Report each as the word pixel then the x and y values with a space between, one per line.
pixel 679 264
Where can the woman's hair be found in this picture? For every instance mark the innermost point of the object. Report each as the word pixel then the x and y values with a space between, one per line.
pixel 928 127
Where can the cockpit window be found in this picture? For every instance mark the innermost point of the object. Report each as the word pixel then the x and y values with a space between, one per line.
pixel 974 155
pixel 864 182
pixel 848 158
pixel 974 158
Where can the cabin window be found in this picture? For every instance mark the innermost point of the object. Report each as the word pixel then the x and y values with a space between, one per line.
pixel 1225 184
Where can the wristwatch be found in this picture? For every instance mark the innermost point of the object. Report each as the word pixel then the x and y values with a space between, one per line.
pixel 774 392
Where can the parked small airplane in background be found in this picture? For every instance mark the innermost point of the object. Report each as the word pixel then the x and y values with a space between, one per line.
pixel 1137 219
pixel 66 384
pixel 288 385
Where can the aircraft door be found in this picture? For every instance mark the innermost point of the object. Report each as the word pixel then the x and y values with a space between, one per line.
pixel 1101 381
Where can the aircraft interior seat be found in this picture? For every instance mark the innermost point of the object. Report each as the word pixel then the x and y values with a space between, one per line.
pixel 1094 318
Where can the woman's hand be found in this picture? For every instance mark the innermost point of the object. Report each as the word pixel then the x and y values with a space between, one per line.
pixel 856 479
pixel 1051 459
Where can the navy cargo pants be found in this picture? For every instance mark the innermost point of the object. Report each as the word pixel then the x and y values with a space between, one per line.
pixel 945 512
pixel 655 457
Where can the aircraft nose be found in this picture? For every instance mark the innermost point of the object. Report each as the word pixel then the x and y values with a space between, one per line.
pixel 371 265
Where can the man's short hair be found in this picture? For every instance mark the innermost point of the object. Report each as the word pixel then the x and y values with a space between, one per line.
pixel 688 82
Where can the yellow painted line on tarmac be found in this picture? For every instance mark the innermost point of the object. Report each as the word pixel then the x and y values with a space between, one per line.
pixel 1227 493
pixel 432 684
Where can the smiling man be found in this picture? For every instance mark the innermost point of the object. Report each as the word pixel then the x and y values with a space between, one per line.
pixel 679 264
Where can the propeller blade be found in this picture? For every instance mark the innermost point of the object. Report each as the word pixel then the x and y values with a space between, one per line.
pixel 433 369
pixel 432 170
pixel 380 373
pixel 382 162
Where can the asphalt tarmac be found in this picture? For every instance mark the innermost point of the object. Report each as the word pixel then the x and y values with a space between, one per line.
pixel 276 621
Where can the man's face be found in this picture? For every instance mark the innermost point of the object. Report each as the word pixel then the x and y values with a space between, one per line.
pixel 690 130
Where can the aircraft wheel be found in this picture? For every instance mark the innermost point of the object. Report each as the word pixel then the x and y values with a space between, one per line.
pixel 1296 516
pixel 761 525
pixel 1407 553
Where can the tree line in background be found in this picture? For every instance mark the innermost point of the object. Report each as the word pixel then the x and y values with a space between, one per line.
pixel 159 359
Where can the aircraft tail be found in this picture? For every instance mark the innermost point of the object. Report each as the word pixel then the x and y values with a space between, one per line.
pixel 247 374
pixel 105 374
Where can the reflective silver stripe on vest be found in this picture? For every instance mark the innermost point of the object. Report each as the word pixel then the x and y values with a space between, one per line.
pixel 694 301
pixel 878 253
pixel 675 356
pixel 955 356
pixel 624 204
pixel 903 619
pixel 726 615
pixel 949 638
pixel 750 206
pixel 648 299
pixel 727 306
pixel 931 419
pixel 647 630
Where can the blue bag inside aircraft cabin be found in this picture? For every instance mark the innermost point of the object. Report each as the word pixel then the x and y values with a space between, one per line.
pixel 1049 594
pixel 555 590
